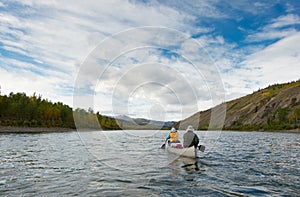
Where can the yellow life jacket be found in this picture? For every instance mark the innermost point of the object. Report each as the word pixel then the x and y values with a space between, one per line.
pixel 173 136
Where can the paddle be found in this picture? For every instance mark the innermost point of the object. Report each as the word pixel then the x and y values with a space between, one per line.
pixel 201 148
pixel 164 145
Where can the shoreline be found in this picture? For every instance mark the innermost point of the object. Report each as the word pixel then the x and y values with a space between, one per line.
pixel 267 131
pixel 14 129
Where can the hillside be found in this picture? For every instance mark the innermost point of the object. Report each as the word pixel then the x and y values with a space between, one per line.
pixel 276 107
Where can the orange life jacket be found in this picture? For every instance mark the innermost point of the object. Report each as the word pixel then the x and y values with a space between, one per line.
pixel 173 136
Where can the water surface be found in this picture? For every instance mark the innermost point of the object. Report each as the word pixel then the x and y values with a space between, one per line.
pixel 130 163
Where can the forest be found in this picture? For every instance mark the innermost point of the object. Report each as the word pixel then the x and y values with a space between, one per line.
pixel 18 109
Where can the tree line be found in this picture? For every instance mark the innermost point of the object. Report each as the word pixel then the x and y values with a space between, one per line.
pixel 18 109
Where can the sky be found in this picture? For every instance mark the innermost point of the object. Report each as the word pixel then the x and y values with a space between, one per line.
pixel 162 60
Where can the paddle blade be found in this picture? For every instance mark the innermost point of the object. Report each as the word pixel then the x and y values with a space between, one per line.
pixel 201 148
pixel 163 146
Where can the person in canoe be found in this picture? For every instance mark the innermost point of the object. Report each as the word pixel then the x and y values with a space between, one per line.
pixel 172 139
pixel 173 136
pixel 190 138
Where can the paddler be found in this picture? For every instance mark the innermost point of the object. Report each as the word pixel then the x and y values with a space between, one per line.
pixel 173 136
pixel 190 138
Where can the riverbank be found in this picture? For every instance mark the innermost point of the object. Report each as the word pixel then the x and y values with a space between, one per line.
pixel 13 129
pixel 262 131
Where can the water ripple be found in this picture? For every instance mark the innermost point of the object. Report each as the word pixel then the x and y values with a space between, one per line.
pixel 239 164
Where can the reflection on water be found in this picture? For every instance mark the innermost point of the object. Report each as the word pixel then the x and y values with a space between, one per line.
pixel 115 163
pixel 190 164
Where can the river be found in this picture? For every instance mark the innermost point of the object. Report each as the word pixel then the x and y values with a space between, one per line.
pixel 131 163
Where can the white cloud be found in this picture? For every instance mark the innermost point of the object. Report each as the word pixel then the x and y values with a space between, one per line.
pixel 29 82
pixel 277 63
pixel 286 20
pixel 277 28
pixel 57 36
pixel 167 82
pixel 270 34
pixel 249 6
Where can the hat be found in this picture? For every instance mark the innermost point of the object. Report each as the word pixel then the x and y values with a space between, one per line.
pixel 190 128
pixel 173 129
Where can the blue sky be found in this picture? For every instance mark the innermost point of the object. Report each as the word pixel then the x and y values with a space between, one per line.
pixel 45 44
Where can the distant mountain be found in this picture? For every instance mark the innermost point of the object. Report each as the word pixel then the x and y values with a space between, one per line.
pixel 126 122
pixel 123 117
pixel 276 107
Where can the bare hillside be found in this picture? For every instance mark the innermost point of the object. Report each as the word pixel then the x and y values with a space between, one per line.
pixel 276 107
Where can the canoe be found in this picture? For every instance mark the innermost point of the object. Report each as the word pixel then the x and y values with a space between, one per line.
pixel 178 149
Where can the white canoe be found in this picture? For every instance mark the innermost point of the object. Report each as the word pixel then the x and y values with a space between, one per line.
pixel 185 152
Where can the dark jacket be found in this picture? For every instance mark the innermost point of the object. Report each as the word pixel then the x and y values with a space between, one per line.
pixel 190 139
